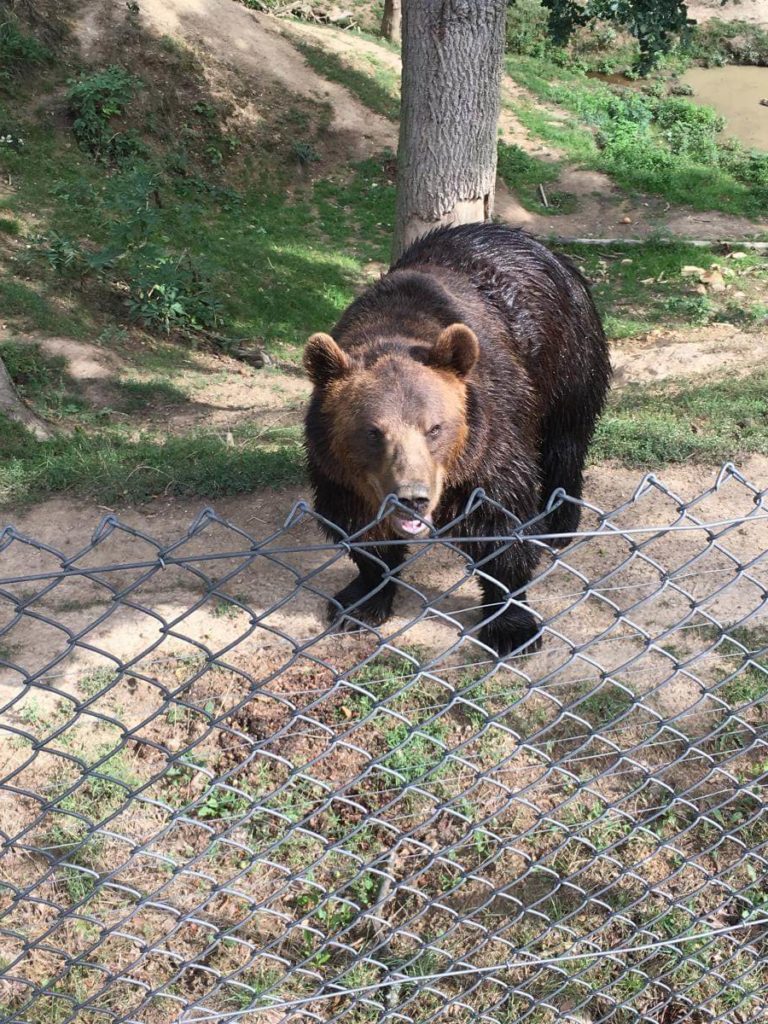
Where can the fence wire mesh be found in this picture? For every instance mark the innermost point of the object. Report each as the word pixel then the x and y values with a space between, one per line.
pixel 214 808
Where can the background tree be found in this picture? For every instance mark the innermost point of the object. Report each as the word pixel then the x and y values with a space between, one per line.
pixel 656 24
pixel 452 62
pixel 452 65
pixel 391 22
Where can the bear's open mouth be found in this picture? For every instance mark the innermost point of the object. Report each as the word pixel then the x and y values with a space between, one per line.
pixel 411 527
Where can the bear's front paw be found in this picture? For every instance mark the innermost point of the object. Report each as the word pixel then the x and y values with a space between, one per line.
pixel 512 630
pixel 373 609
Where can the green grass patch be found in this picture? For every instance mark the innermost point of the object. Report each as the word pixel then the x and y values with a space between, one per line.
pixel 115 467
pixel 276 270
pixel 665 146
pixel 34 309
pixel 377 89
pixel 9 226
pixel 750 686
pixel 523 174
pixel 137 395
pixel 641 287
pixel 656 424
pixel 42 380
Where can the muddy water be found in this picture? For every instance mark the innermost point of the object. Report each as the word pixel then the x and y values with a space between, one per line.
pixel 735 92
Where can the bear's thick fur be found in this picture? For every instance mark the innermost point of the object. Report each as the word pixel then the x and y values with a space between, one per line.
pixel 477 361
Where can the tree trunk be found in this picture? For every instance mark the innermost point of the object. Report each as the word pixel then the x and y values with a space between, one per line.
pixel 13 407
pixel 451 94
pixel 390 23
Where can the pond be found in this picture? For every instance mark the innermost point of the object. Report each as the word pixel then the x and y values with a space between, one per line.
pixel 735 92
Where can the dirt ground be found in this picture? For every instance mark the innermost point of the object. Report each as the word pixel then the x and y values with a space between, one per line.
pixel 755 11
pixel 172 611
pixel 225 391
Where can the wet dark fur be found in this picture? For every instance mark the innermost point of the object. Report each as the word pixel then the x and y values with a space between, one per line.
pixel 533 396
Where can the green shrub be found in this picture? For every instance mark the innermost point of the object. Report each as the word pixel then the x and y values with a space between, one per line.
pixel 94 100
pixel 660 144
pixel 729 42
pixel 689 130
pixel 18 51
pixel 527 27
pixel 169 292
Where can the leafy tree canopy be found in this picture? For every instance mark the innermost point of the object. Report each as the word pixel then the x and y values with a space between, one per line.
pixel 654 23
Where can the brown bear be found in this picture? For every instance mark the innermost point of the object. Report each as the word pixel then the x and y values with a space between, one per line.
pixel 477 361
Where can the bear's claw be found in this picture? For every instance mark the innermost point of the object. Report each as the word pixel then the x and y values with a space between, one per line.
pixel 511 631
pixel 373 611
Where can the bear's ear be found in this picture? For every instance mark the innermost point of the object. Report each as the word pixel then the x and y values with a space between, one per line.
pixel 456 349
pixel 324 361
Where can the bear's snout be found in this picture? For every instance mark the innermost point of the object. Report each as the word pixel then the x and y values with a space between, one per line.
pixel 416 498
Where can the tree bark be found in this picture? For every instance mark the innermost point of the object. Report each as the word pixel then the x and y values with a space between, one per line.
pixel 13 407
pixel 391 22
pixel 451 94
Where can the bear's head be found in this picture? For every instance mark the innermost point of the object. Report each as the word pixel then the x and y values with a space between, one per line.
pixel 397 417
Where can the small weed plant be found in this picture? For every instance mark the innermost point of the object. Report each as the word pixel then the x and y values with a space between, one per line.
pixel 95 100
pixel 18 51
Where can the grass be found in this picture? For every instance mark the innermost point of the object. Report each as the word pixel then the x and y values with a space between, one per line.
pixel 115 467
pixel 40 308
pixel 377 86
pixel 523 174
pixel 638 288
pixel 137 395
pixel 307 256
pixel 664 146
pixel 750 685
pixel 656 424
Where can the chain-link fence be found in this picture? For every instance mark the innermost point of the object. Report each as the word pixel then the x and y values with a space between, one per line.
pixel 214 808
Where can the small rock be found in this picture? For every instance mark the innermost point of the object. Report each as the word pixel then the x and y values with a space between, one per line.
pixel 737 255
pixel 626 220
pixel 691 271
pixel 626 261
pixel 700 289
pixel 251 354
pixel 714 280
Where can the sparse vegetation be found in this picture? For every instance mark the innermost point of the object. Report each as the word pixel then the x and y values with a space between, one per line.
pixel 524 174
pixel 375 84
pixel 653 424
pixel 661 145
pixel 19 51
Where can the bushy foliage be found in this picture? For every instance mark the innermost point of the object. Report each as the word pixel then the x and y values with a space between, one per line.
pixel 18 51
pixel 651 143
pixel 729 42
pixel 527 28
pixel 656 24
pixel 169 292
pixel 94 101
pixel 163 290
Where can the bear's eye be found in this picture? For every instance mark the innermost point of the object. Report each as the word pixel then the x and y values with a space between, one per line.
pixel 434 431
pixel 374 435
